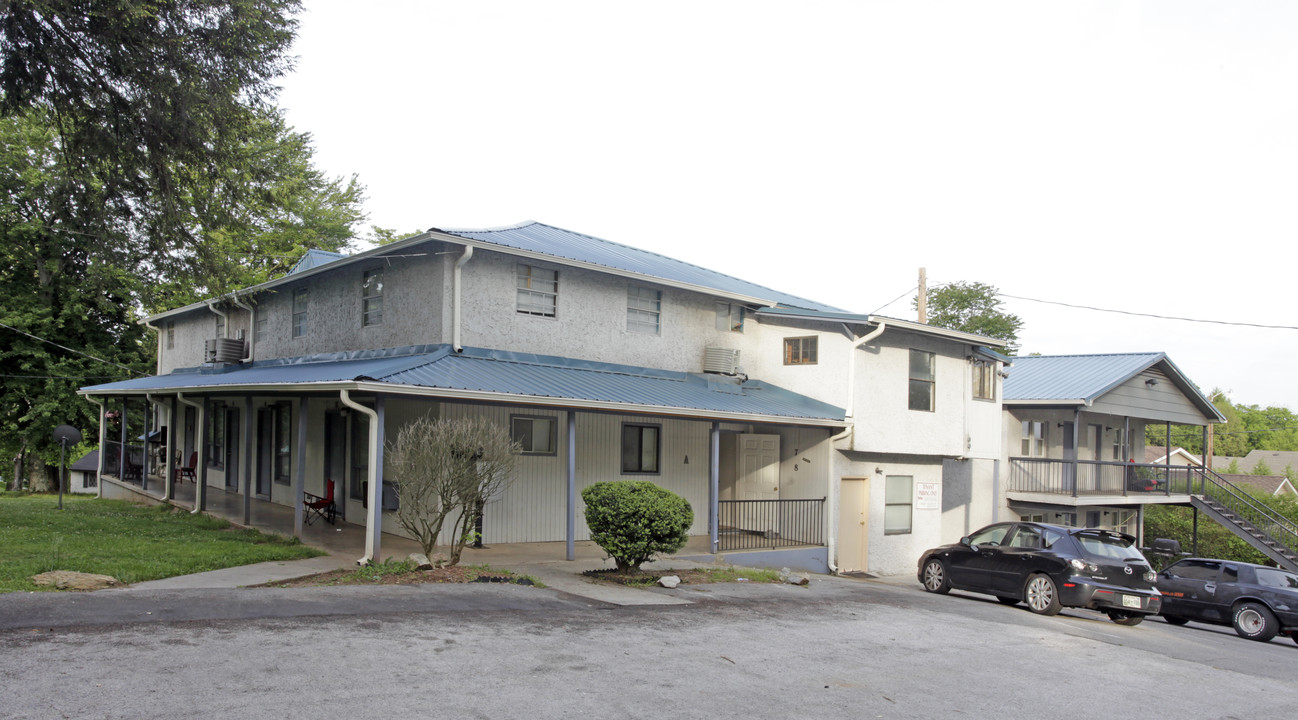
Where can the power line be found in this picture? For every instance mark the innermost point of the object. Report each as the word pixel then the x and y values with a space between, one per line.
pixel 65 347
pixel 1149 315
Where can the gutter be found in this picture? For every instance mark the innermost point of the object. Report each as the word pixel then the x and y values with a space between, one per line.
pixel 200 475
pixel 372 473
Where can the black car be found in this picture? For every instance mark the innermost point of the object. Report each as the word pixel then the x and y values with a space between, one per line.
pixel 1049 567
pixel 1258 601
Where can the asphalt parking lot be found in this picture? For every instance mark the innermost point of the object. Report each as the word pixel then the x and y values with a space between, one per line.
pixel 837 648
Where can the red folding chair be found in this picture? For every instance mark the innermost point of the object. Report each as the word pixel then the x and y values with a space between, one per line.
pixel 189 471
pixel 323 507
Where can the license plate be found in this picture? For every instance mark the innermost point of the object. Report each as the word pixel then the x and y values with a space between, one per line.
pixel 1131 601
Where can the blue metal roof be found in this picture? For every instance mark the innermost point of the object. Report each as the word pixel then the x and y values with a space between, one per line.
pixel 314 259
pixel 559 243
pixel 523 376
pixel 1072 378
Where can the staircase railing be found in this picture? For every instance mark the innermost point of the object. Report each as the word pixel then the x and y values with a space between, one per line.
pixel 1221 491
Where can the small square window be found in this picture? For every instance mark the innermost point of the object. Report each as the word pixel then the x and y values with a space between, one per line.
pixel 921 380
pixel 644 310
pixel 535 434
pixel 641 446
pixel 730 317
pixel 372 298
pixel 800 351
pixel 538 291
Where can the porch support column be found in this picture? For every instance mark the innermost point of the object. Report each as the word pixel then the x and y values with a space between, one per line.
pixel 1167 459
pixel 714 484
pixel 571 551
pixel 299 477
pixel 246 453
pixel 103 451
pixel 200 444
pixel 121 455
pixel 1194 536
pixel 374 473
pixel 1077 451
pixel 169 467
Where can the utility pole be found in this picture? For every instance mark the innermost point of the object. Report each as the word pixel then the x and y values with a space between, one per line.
pixel 922 301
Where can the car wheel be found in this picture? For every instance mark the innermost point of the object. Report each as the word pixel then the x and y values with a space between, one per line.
pixel 1007 600
pixel 935 577
pixel 1126 618
pixel 1255 622
pixel 1175 620
pixel 1042 595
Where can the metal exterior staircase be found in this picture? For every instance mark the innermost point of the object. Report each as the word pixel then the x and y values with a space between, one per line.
pixel 1271 533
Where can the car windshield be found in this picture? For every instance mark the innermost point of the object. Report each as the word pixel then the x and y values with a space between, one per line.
pixel 1276 578
pixel 1101 545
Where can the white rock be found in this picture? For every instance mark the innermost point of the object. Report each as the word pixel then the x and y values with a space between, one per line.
pixel 420 561
pixel 669 581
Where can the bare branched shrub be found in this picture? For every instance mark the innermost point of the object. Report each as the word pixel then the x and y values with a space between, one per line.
pixel 448 470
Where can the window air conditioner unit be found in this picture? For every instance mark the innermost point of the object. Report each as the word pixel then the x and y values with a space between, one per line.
pixel 223 350
pixel 720 361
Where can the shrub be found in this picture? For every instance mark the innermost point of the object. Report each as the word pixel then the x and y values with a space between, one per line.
pixel 634 520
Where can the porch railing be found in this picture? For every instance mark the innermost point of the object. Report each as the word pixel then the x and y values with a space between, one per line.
pixel 1099 477
pixel 133 471
pixel 1254 515
pixel 760 524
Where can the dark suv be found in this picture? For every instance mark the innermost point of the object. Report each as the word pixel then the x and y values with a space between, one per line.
pixel 1258 601
pixel 1049 567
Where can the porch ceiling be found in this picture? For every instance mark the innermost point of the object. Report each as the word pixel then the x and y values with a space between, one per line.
pixel 498 376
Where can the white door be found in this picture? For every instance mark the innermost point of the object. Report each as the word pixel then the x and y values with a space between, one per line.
pixel 759 467
pixel 853 524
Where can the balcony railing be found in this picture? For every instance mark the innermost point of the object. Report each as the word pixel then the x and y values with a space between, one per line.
pixel 1098 477
pixel 760 524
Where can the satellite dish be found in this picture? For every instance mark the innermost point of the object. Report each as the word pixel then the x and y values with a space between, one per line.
pixel 68 434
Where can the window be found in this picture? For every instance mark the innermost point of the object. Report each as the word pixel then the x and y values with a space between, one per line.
pixel 994 535
pixel 897 503
pixel 535 434
pixel 1195 570
pixel 643 310
pixel 220 326
pixel 984 380
pixel 640 448
pixel 283 433
pixel 730 317
pixel 1034 439
pixel 171 336
pixel 800 351
pixel 216 436
pixel 300 298
pixel 538 291
pixel 259 327
pixel 372 298
pixel 921 380
pixel 1119 444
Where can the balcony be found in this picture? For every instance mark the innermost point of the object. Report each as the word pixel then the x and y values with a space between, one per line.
pixel 1104 481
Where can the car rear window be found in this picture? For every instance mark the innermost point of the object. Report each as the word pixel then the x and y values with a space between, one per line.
pixel 1107 546
pixel 1276 578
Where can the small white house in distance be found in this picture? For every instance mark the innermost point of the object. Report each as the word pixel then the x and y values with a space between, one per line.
pixel 801 434
pixel 83 475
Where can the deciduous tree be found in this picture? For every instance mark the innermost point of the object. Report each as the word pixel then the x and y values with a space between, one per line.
pixel 972 307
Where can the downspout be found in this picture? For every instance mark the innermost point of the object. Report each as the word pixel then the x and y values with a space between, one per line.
pixel 851 379
pixel 372 473
pixel 455 310
pixel 225 319
pixel 252 327
pixel 200 442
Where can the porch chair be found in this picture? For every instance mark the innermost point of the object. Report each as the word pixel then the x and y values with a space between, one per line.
pixel 321 507
pixel 189 470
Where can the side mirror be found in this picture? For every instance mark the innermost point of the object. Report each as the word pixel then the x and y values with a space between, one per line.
pixel 965 541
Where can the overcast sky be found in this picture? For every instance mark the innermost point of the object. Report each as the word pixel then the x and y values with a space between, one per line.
pixel 1134 156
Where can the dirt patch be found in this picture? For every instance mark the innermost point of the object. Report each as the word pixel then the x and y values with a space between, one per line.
pixel 645 578
pixel 450 574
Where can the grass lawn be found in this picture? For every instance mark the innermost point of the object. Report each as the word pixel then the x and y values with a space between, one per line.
pixel 130 542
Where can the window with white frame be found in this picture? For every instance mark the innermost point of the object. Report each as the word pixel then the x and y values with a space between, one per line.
pixel 283 414
pixel 898 503
pixel 800 350
pixel 220 326
pixel 259 327
pixel 644 310
pixel 730 317
pixel 535 434
pixel 984 380
pixel 171 335
pixel 300 298
pixel 372 297
pixel 641 448
pixel 538 291
pixel 1119 444
pixel 921 389
pixel 1034 439
pixel 216 436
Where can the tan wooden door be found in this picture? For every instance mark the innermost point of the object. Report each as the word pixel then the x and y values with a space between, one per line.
pixel 853 524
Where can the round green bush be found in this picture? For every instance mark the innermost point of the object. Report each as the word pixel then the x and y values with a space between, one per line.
pixel 634 520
